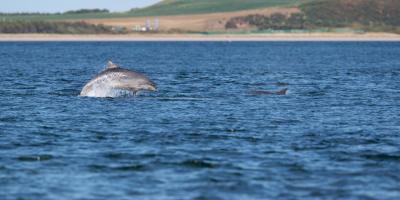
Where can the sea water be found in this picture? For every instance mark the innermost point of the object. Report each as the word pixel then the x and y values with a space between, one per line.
pixel 204 134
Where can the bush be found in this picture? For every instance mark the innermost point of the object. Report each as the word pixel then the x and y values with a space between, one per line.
pixel 370 15
pixel 276 21
pixel 87 11
pixel 341 13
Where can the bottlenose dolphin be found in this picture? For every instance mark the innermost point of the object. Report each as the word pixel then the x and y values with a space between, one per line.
pixel 261 92
pixel 115 81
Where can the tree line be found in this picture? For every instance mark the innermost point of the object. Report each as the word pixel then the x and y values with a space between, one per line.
pixel 276 21
pixel 80 11
pixel 56 27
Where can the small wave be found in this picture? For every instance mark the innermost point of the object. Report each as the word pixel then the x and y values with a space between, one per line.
pixel 180 98
pixel 281 83
pixel 65 92
pixel 315 93
pixel 285 121
pixel 33 158
pixel 132 167
pixel 116 156
pixel 382 157
pixel 9 119
pixel 127 156
pixel 198 164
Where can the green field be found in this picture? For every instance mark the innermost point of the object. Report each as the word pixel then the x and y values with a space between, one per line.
pixel 181 7
pixel 166 7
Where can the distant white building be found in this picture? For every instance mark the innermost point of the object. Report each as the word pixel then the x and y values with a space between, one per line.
pixel 149 26
pixel 156 24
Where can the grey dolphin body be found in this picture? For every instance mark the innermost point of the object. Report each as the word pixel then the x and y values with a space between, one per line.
pixel 113 80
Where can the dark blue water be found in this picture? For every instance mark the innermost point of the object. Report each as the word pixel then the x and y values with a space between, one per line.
pixel 203 135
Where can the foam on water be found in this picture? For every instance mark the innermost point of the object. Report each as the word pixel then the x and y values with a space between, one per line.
pixel 105 91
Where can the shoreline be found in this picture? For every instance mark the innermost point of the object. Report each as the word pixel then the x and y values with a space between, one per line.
pixel 201 37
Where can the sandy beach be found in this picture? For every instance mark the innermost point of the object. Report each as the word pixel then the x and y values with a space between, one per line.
pixel 203 37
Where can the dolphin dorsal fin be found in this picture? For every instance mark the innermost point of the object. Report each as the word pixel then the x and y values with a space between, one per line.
pixel 111 65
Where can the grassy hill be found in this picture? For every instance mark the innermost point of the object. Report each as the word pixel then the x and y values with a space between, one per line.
pixel 164 8
pixel 181 7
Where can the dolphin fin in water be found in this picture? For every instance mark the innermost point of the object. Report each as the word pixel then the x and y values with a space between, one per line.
pixel 111 65
pixel 282 92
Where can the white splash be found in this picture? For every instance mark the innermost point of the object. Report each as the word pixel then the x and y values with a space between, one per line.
pixel 105 91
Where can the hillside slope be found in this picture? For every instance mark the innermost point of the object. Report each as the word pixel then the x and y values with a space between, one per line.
pixel 365 15
pixel 336 13
pixel 182 7
pixel 164 8
pixel 210 22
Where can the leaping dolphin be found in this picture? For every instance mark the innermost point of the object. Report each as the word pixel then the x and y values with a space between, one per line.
pixel 115 80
